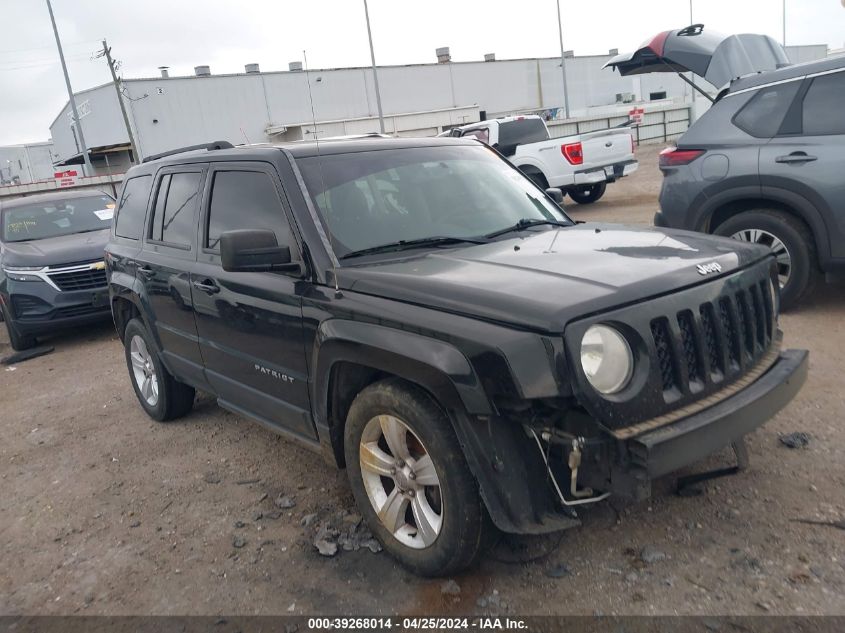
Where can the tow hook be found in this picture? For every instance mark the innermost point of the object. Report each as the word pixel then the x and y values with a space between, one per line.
pixel 581 496
pixel 574 463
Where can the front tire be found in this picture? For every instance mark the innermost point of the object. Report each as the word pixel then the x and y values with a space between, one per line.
pixel 588 193
pixel 790 241
pixel 411 481
pixel 18 341
pixel 162 396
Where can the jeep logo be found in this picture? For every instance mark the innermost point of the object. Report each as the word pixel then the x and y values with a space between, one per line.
pixel 712 267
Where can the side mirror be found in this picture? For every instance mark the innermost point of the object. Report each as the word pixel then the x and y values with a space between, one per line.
pixel 556 195
pixel 254 250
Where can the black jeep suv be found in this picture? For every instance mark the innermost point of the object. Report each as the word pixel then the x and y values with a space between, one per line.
pixel 422 314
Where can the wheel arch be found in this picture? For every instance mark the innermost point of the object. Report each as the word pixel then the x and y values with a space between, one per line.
pixel 529 167
pixel 351 355
pixel 123 310
pixel 783 201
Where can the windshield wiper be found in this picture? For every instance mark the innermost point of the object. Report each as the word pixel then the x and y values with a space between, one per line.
pixel 524 223
pixel 402 245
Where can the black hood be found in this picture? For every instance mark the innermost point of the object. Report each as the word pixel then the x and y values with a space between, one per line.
pixel 712 56
pixel 54 251
pixel 549 277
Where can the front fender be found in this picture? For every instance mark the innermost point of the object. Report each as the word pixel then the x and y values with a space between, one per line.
pixel 435 365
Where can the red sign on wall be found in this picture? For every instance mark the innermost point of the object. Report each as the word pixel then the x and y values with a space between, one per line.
pixel 636 115
pixel 66 178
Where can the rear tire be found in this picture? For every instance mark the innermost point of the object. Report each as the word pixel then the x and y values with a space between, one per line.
pixel 588 193
pixel 432 480
pixel 793 244
pixel 162 396
pixel 18 341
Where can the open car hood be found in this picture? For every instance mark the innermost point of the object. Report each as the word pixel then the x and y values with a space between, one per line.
pixel 712 56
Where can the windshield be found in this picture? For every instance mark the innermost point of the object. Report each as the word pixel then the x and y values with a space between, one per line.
pixel 57 217
pixel 368 199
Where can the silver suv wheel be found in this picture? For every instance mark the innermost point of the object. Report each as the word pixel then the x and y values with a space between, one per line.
pixel 143 370
pixel 401 482
pixel 764 238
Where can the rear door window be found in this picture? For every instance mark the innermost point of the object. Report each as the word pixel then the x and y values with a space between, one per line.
pixel 245 200
pixel 521 132
pixel 824 106
pixel 482 134
pixel 762 116
pixel 132 209
pixel 174 217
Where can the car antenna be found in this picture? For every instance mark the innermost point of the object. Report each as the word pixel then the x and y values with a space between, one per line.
pixel 337 293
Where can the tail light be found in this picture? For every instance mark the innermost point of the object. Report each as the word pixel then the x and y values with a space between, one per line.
pixel 674 157
pixel 573 153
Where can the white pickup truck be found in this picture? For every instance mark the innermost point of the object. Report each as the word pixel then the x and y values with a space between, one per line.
pixel 579 165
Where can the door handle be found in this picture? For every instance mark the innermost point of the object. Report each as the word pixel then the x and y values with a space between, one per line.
pixel 207 286
pixel 146 272
pixel 796 157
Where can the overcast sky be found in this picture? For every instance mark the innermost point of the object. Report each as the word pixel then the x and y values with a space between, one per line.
pixel 226 35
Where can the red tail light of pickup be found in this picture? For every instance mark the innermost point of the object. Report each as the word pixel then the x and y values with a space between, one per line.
pixel 675 157
pixel 573 153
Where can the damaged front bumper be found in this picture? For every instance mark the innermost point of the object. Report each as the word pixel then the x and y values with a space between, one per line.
pixel 630 458
pixel 666 449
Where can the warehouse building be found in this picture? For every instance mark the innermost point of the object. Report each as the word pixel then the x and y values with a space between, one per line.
pixel 418 100
pixel 29 162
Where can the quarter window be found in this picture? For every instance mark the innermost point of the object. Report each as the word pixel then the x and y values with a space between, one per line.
pixel 133 207
pixel 762 116
pixel 245 200
pixel 174 218
pixel 823 103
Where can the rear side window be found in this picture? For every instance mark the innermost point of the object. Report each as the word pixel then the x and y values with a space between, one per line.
pixel 245 200
pixel 520 132
pixel 133 207
pixel 823 106
pixel 762 116
pixel 174 218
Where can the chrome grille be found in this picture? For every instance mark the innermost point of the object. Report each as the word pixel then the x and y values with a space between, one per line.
pixel 81 277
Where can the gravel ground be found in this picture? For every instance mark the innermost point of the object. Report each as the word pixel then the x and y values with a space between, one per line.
pixel 104 511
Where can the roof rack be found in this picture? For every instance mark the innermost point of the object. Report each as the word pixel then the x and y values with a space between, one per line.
pixel 210 147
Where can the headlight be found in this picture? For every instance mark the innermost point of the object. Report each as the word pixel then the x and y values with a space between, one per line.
pixel 19 273
pixel 774 292
pixel 606 359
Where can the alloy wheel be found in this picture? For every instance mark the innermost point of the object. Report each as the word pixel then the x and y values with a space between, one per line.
pixel 784 259
pixel 401 481
pixel 143 370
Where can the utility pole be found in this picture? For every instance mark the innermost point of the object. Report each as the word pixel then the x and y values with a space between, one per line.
pixel 562 64
pixel 375 72
pixel 89 168
pixel 106 52
pixel 784 23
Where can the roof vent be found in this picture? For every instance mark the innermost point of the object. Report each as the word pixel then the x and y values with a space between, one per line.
pixel 568 54
pixel 252 68
pixel 202 71
pixel 164 71
pixel 443 55
pixel 489 57
pixel 613 51
pixel 295 67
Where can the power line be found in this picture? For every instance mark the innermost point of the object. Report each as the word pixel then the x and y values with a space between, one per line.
pixel 41 48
